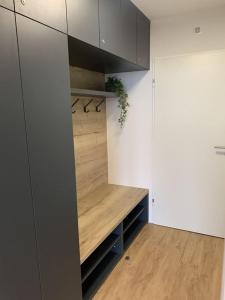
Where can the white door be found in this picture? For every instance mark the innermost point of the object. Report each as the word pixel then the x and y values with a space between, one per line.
pixel 189 122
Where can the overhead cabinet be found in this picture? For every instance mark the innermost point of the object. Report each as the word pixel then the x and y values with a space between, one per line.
pixel 50 12
pixel 109 35
pixel 128 48
pixel 118 28
pixel 83 20
pixel 110 23
pixel 7 3
pixel 143 40
pixel 19 277
pixel 46 92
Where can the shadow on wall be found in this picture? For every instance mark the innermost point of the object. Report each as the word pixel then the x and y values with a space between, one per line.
pixel 130 148
pixel 133 81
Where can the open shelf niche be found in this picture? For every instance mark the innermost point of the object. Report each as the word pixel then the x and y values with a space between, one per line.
pixel 101 262
pixel 103 237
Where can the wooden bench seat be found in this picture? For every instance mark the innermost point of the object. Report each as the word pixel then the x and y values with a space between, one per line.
pixel 100 212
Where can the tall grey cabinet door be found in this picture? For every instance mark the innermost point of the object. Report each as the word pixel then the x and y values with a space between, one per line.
pixel 49 12
pixel 7 3
pixel 46 91
pixel 19 277
pixel 129 31
pixel 110 20
pixel 83 20
pixel 143 40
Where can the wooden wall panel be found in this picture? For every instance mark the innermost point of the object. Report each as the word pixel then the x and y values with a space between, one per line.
pixel 92 122
pixel 90 133
pixel 90 142
pixel 85 79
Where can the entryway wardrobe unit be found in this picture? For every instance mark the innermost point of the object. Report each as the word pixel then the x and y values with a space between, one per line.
pixel 39 253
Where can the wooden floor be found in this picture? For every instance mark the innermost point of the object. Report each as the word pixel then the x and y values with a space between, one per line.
pixel 167 264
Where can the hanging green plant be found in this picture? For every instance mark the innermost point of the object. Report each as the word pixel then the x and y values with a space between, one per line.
pixel 115 85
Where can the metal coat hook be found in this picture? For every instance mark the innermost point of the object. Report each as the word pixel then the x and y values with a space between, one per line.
pixel 86 110
pixel 73 105
pixel 99 105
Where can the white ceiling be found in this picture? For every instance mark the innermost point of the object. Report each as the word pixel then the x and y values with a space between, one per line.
pixel 161 8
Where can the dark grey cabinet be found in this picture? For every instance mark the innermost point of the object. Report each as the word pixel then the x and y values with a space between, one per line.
pixel 19 277
pixel 83 20
pixel 49 12
pixel 7 3
pixel 129 31
pixel 46 92
pixel 124 31
pixel 115 26
pixel 110 23
pixel 143 40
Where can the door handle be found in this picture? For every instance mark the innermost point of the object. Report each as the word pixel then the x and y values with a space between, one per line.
pixel 219 147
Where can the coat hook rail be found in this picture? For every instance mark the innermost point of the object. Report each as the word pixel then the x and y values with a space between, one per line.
pixel 86 110
pixel 73 105
pixel 98 109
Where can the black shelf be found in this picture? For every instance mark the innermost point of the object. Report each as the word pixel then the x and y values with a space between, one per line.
pixel 101 262
pixel 92 93
pixel 98 255
pixel 91 284
pixel 132 232
pixel 131 218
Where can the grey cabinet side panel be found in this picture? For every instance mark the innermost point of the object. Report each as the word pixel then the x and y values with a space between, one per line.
pixel 143 41
pixel 19 277
pixel 7 3
pixel 110 19
pixel 49 12
pixel 83 20
pixel 45 81
pixel 129 31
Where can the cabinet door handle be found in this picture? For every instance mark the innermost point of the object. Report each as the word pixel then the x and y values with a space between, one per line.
pixel 220 147
pixel 23 2
pixel 103 41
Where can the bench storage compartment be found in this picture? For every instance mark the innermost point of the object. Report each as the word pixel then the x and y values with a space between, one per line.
pixel 96 266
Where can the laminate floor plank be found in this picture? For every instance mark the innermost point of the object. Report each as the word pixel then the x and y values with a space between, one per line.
pixel 167 264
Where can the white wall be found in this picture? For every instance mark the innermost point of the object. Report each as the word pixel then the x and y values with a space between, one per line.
pixel 130 149
pixel 175 35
